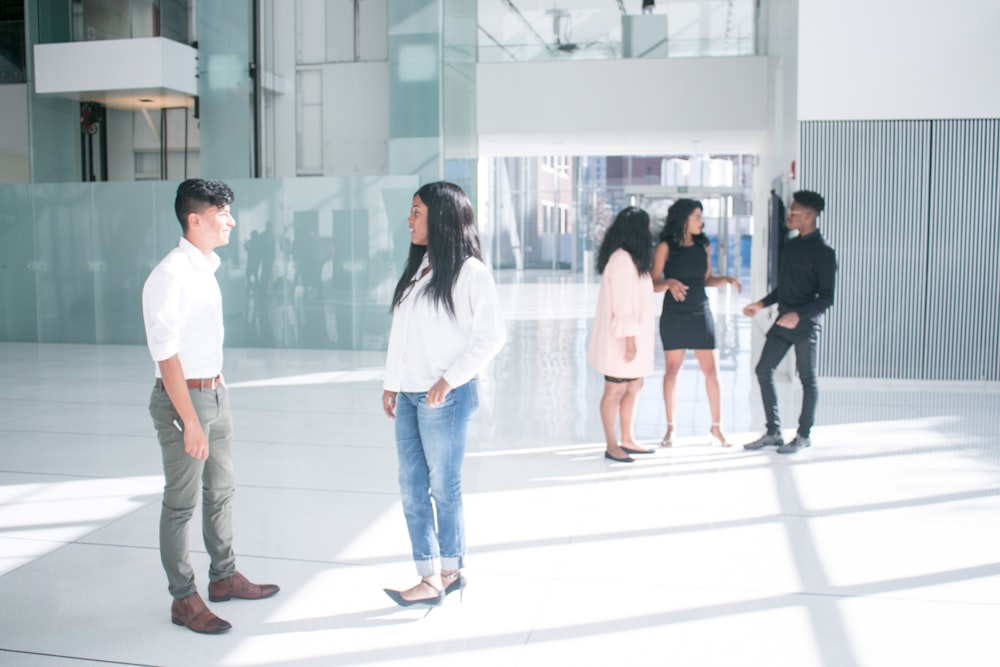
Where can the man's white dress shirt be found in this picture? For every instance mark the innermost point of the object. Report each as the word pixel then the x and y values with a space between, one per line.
pixel 182 311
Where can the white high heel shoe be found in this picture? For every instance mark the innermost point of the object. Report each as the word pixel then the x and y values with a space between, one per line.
pixel 716 439
pixel 668 440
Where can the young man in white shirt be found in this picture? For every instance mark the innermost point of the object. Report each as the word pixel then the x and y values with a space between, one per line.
pixel 182 312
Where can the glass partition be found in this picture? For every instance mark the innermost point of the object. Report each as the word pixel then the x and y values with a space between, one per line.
pixel 551 212
pixel 225 90
pixel 458 89
pixel 415 88
pixel 12 64
pixel 18 265
pixel 311 263
pixel 130 19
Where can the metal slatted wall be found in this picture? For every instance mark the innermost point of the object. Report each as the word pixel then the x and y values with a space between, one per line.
pixel 962 329
pixel 913 210
pixel 873 176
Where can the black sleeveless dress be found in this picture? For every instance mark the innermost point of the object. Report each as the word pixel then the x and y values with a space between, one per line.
pixel 687 324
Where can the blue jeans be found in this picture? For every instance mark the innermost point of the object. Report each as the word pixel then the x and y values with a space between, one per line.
pixel 431 447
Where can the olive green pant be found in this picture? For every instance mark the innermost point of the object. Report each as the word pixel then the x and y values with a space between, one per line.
pixel 184 477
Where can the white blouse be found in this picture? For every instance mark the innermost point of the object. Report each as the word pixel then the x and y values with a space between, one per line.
pixel 427 344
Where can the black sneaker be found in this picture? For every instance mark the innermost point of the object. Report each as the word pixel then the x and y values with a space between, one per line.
pixel 766 440
pixel 795 445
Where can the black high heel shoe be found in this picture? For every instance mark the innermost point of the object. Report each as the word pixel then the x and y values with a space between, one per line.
pixel 457 585
pixel 397 597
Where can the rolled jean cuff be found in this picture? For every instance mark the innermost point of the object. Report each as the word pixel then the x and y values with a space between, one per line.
pixel 428 567
pixel 451 563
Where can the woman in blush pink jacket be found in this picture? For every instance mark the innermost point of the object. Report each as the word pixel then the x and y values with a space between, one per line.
pixel 621 342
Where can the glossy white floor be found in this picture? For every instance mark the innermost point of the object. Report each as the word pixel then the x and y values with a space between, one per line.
pixel 876 547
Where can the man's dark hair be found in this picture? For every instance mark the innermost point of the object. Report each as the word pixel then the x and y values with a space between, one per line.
pixel 809 199
pixel 195 195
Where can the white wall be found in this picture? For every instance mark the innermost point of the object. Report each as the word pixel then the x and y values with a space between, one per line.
pixel 778 25
pixel 895 59
pixel 779 22
pixel 342 129
pixel 629 106
pixel 356 119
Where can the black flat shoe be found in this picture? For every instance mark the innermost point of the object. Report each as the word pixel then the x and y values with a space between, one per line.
pixel 637 451
pixel 397 597
pixel 627 459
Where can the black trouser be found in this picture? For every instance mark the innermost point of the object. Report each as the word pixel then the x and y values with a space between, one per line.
pixel 775 348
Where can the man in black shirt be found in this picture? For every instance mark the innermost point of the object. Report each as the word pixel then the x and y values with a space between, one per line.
pixel 806 282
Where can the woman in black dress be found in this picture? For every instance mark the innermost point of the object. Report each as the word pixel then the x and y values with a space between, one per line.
pixel 682 268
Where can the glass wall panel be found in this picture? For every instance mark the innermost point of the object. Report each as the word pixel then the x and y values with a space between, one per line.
pixel 18 265
pixel 311 262
pixel 317 260
pixel 54 124
pixel 130 19
pixel 225 89
pixel 173 20
pixel 66 263
pixel 107 19
pixel 49 21
pixel 458 122
pixel 415 145
pixel 124 242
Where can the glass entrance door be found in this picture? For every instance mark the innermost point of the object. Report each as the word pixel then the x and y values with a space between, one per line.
pixel 531 209
pixel 728 222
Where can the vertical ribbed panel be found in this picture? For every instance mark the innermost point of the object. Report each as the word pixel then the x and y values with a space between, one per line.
pixel 913 210
pixel 963 296
pixel 874 177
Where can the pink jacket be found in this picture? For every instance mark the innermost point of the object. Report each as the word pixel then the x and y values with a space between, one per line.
pixel 624 308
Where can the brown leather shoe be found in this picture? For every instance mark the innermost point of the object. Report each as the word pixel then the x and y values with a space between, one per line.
pixel 237 586
pixel 192 612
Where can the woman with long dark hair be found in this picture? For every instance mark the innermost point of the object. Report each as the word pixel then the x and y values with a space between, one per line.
pixel 621 341
pixel 446 326
pixel 682 267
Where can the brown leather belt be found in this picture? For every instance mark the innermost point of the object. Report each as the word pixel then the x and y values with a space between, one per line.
pixel 197 383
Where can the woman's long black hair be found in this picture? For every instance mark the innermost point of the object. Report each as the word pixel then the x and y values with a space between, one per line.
pixel 451 239
pixel 629 231
pixel 677 217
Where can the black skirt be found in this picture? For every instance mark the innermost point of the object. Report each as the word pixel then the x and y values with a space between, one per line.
pixel 687 330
